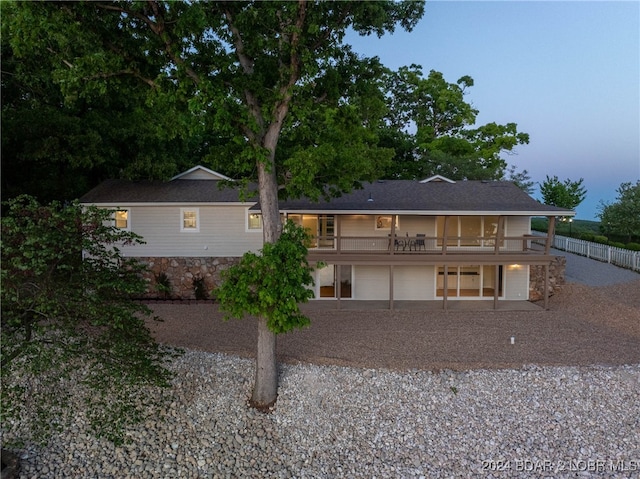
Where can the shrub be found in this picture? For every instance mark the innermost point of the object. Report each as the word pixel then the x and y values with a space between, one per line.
pixel 633 246
pixel 200 288
pixel 163 285
pixel 601 239
pixel 69 324
pixel 587 236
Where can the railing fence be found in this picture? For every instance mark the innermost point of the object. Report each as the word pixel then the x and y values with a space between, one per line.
pixel 609 254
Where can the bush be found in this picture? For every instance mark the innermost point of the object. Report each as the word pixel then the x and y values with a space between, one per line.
pixel 163 285
pixel 601 239
pixel 70 327
pixel 200 288
pixel 633 246
pixel 617 244
pixel 587 236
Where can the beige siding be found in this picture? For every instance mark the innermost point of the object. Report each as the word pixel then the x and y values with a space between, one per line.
pixel 518 225
pixel 516 282
pixel 413 282
pixel 370 282
pixel 221 232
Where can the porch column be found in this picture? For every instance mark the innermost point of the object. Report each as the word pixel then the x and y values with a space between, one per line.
pixel 338 234
pixel 445 284
pixel 551 231
pixel 338 283
pixel 496 286
pixel 445 235
pixel 499 234
pixel 392 237
pixel 391 307
pixel 546 286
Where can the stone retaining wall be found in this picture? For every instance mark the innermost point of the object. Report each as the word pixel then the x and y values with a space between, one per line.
pixel 182 273
pixel 556 278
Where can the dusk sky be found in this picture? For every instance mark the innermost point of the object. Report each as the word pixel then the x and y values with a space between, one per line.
pixel 568 73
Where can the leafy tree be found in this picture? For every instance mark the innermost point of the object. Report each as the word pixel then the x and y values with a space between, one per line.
pixel 445 141
pixel 622 217
pixel 69 325
pixel 568 194
pixel 520 178
pixel 271 284
pixel 248 71
pixel 57 145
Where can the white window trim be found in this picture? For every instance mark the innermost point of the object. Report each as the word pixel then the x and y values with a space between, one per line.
pixel 190 230
pixel 128 210
pixel 246 222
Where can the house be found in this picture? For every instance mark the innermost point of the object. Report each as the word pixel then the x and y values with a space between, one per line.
pixel 434 239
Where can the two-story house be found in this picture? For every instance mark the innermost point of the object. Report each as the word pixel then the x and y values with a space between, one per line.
pixel 429 240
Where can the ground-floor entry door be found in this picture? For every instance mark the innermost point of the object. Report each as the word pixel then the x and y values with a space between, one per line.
pixel 470 281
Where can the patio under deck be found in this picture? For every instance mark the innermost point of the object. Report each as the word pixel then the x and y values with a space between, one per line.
pixel 433 305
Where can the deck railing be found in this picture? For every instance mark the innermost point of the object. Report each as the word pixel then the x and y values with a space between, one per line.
pixel 423 244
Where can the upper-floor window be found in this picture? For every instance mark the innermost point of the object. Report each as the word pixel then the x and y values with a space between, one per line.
pixel 254 221
pixel 189 219
pixel 122 219
pixel 469 230
pixel 383 222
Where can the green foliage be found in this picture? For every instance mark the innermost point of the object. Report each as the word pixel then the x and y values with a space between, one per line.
pixel 200 288
pixel 579 228
pixel 521 179
pixel 163 284
pixel 271 284
pixel 622 218
pixel 633 246
pixel 568 194
pixel 601 239
pixel 445 141
pixel 69 325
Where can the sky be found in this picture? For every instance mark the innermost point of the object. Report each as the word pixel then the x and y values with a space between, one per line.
pixel 568 73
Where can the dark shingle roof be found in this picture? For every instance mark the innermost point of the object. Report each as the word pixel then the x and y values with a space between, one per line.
pixel 389 195
pixel 408 195
pixel 177 191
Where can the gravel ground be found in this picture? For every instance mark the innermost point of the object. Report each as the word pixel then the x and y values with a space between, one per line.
pixel 392 394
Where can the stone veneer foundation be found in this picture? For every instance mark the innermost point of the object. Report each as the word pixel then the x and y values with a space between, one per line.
pixel 181 272
pixel 556 278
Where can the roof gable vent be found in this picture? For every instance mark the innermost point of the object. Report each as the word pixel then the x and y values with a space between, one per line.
pixel 436 179
pixel 200 173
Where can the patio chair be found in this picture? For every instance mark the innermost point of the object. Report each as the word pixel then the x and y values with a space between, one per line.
pixel 420 242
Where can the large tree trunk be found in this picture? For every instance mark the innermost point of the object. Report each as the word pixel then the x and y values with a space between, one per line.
pixel 265 388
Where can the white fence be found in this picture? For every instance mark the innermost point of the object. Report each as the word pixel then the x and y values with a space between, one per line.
pixel 601 252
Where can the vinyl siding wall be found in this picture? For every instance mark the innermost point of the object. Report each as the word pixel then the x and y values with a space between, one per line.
pixel 516 284
pixel 222 232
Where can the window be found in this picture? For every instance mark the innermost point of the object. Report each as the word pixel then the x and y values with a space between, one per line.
pixel 384 223
pixel 121 219
pixel 254 221
pixel 189 219
pixel 469 230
